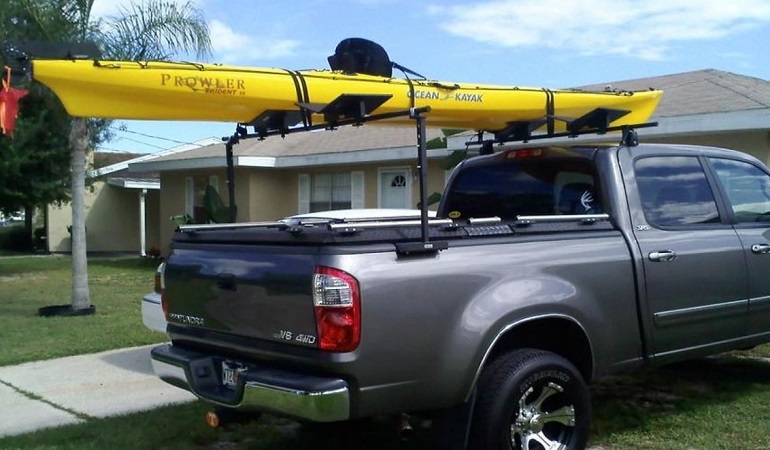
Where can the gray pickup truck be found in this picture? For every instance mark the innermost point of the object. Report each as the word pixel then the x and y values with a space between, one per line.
pixel 547 268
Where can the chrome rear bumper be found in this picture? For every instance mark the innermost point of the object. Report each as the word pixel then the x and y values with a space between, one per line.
pixel 293 394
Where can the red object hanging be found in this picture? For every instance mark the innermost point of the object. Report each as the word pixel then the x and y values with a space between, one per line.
pixel 9 104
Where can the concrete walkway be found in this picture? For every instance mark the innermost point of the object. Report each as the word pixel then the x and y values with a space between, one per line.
pixel 72 390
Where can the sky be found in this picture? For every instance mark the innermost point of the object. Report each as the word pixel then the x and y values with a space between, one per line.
pixel 535 43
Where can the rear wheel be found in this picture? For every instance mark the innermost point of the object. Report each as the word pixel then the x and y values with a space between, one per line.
pixel 531 400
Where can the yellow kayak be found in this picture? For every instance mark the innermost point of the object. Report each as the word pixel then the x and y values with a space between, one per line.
pixel 209 92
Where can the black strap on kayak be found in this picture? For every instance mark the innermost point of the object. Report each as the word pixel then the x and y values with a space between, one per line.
pixel 407 71
pixel 409 81
pixel 307 116
pixel 411 90
pixel 550 110
pixel 300 95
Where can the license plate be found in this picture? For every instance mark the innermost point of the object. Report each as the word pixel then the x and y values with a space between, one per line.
pixel 230 373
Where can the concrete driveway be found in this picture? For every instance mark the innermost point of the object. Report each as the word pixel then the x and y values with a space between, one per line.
pixel 72 390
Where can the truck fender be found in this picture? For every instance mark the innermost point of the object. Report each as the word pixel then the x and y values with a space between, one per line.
pixel 582 355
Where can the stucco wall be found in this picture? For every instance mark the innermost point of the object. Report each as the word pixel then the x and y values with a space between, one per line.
pixel 755 143
pixel 371 181
pixel 267 194
pixel 172 202
pixel 172 199
pixel 271 195
pixel 112 221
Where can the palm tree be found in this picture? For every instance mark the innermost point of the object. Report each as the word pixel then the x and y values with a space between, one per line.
pixel 153 30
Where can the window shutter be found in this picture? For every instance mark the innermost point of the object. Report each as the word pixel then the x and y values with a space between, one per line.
pixel 189 196
pixel 357 191
pixel 303 193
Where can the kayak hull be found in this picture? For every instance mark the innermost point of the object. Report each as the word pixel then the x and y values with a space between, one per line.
pixel 207 92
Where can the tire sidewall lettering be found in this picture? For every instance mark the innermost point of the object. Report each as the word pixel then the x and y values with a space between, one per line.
pixel 543 374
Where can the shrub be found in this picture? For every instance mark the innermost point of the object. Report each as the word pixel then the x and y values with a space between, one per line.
pixel 153 252
pixel 15 238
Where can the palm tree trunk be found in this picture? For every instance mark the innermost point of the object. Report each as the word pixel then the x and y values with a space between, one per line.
pixel 78 140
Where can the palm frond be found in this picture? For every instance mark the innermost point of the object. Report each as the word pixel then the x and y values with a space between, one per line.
pixel 156 30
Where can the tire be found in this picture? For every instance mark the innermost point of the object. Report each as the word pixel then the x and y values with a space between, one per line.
pixel 531 400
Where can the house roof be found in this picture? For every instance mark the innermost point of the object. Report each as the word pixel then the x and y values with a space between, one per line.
pixel 702 101
pixel 117 162
pixel 105 159
pixel 700 92
pixel 115 166
pixel 343 145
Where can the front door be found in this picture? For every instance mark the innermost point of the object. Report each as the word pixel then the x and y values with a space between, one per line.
pixel 694 268
pixel 747 188
pixel 395 188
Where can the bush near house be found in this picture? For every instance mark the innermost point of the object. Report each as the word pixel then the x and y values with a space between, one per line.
pixel 14 238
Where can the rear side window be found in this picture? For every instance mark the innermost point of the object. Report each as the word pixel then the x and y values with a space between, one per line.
pixel 674 191
pixel 747 188
pixel 508 189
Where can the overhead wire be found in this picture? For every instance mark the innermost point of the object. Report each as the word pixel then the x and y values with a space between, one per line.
pixel 150 136
pixel 143 143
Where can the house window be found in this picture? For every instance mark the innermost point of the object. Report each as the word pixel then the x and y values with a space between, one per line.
pixel 195 190
pixel 329 191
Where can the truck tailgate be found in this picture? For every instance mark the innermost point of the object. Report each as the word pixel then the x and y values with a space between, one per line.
pixel 264 294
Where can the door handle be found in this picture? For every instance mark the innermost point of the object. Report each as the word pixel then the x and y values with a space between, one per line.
pixel 662 256
pixel 760 249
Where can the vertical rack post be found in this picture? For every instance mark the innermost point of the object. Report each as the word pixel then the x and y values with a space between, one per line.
pixel 422 167
pixel 425 246
pixel 230 177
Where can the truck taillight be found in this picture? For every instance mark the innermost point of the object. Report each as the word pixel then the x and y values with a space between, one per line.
pixel 160 282
pixel 337 302
pixel 160 286
pixel 164 305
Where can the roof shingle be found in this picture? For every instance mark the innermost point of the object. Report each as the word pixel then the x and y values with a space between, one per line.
pixel 700 92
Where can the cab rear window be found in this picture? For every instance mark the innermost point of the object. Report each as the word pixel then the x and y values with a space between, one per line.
pixel 524 187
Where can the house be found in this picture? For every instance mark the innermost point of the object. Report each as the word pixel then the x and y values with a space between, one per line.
pixel 350 167
pixel 122 208
pixel 375 165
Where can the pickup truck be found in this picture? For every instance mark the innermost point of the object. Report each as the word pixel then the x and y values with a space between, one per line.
pixel 552 266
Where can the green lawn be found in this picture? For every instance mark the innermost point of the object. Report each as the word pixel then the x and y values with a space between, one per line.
pixel 712 403
pixel 116 287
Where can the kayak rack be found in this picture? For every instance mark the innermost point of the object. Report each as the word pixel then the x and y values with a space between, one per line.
pixel 596 121
pixel 356 109
pixel 347 109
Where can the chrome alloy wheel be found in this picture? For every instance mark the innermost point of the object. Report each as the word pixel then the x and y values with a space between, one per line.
pixel 536 429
